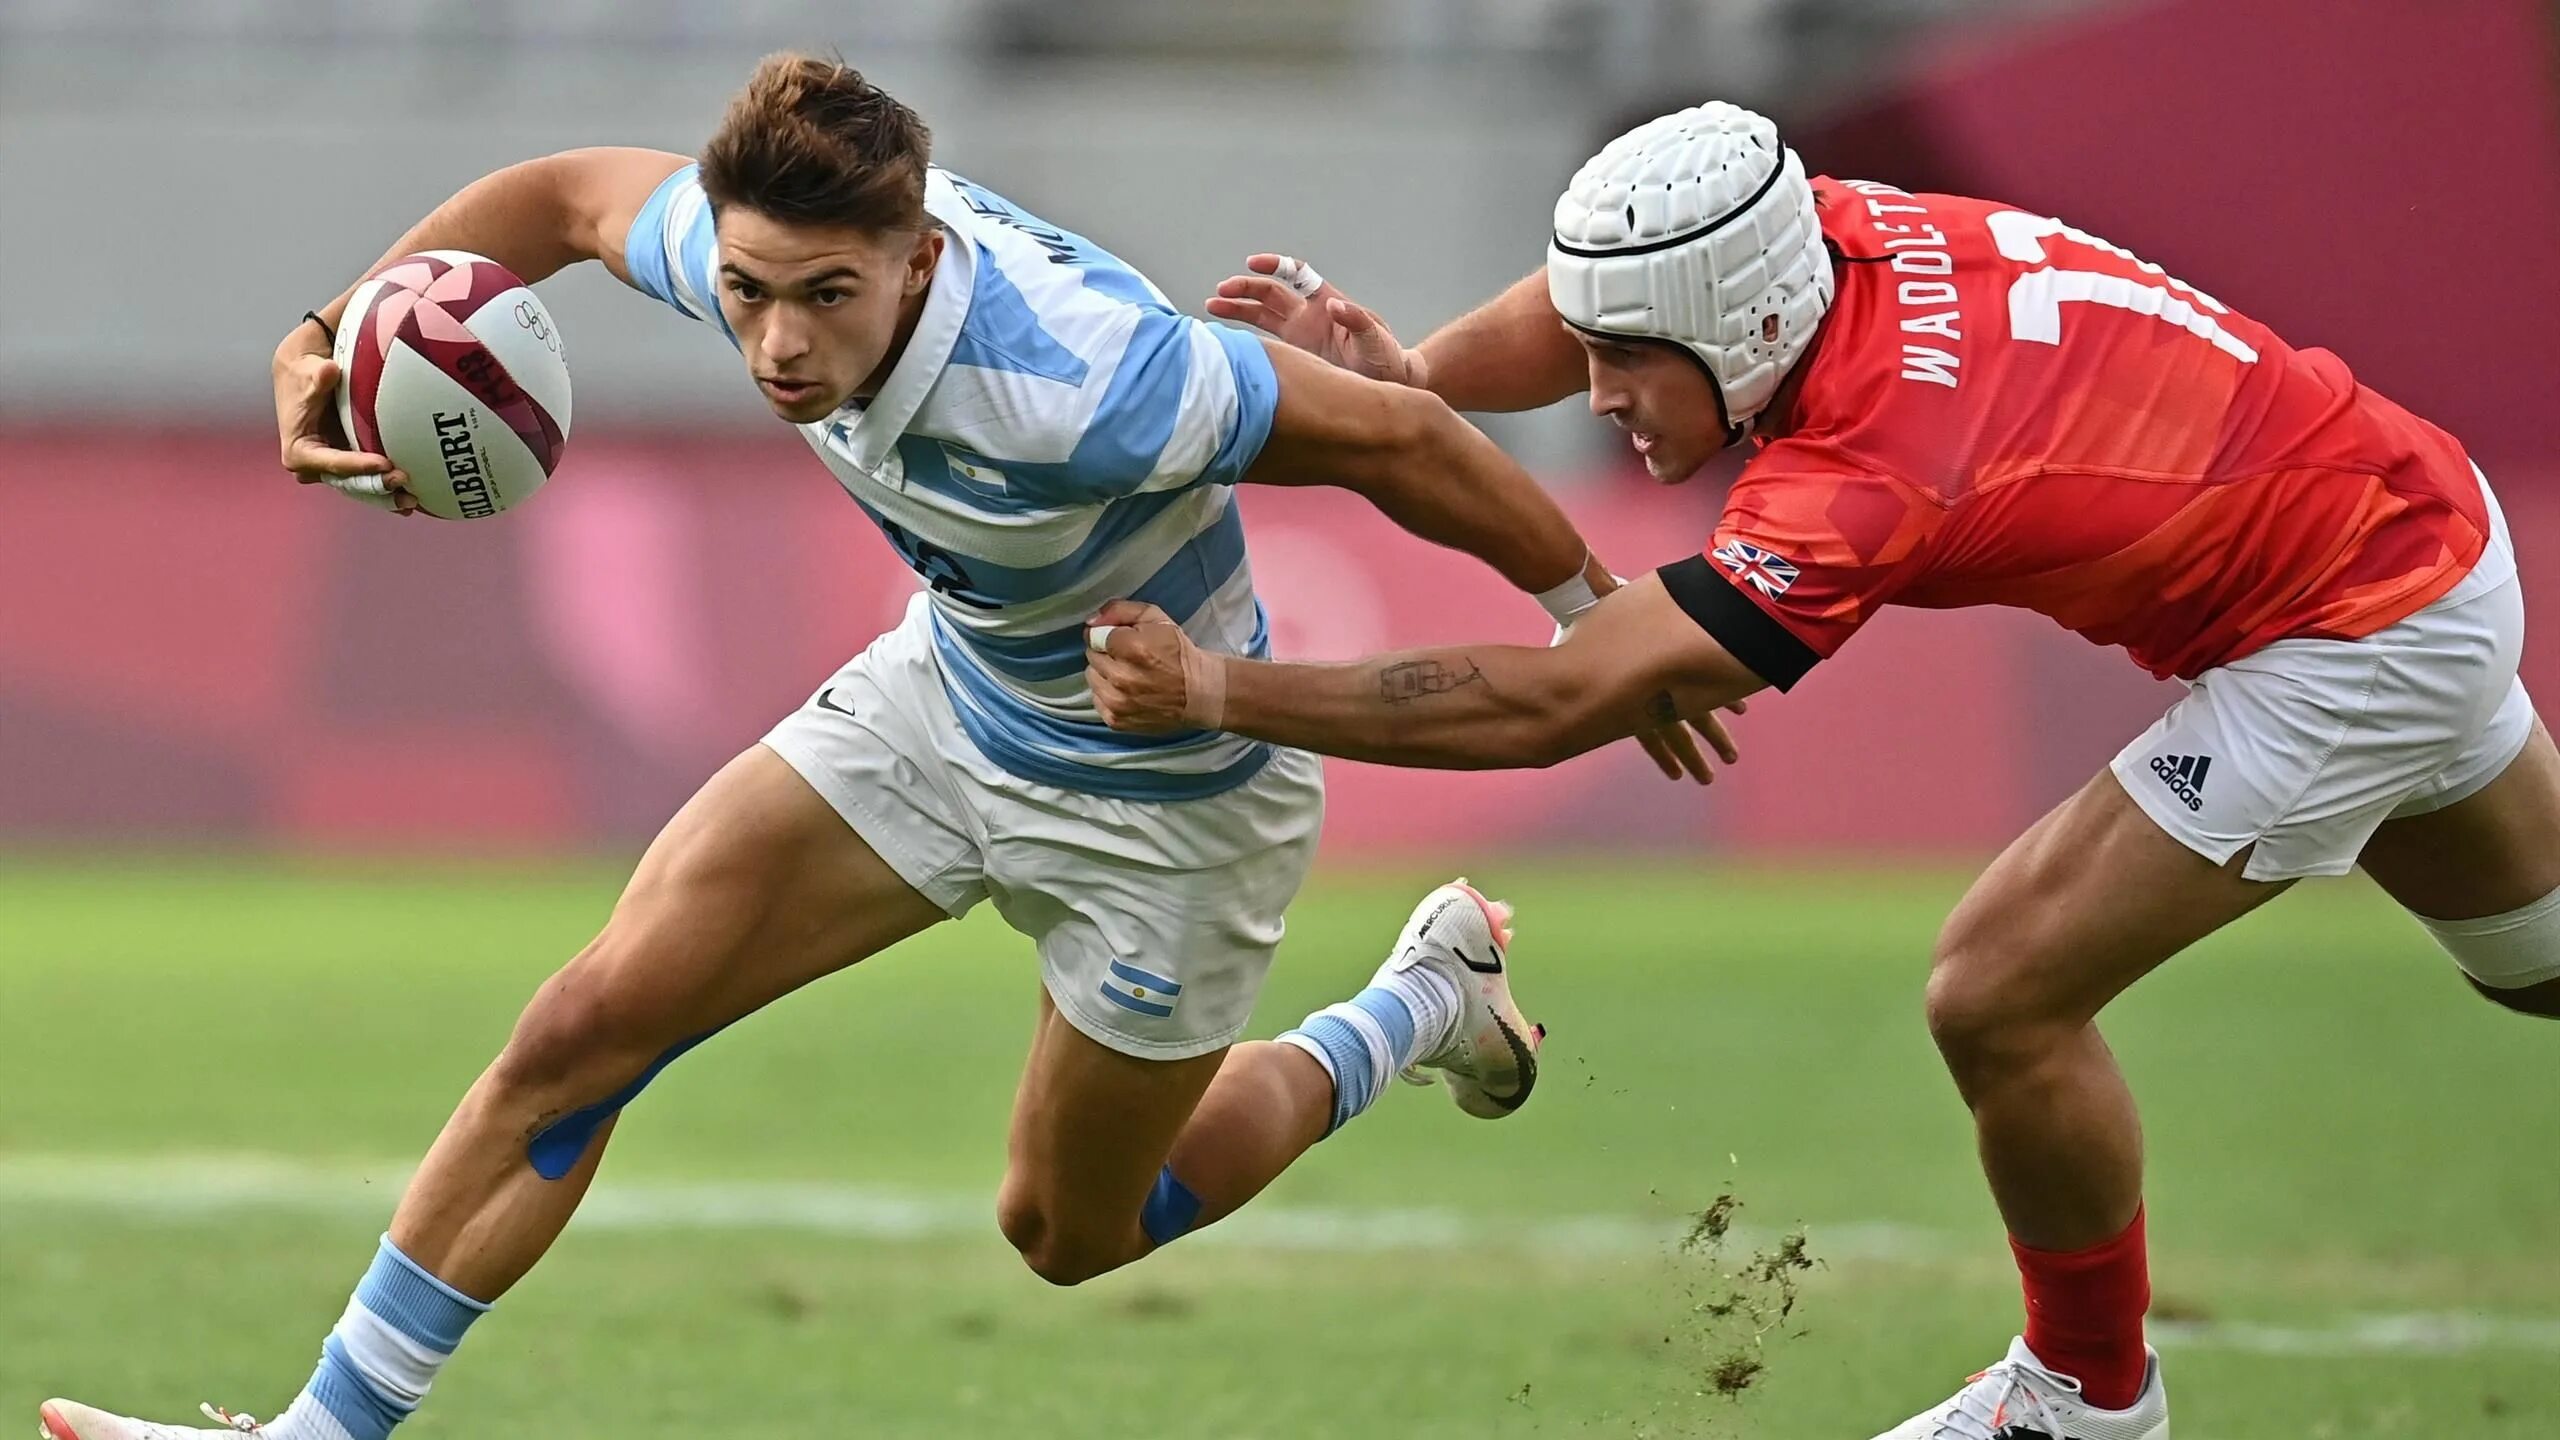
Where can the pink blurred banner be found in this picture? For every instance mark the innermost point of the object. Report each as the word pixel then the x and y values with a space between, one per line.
pixel 194 650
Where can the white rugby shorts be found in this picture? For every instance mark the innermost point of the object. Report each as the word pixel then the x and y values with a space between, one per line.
pixel 2304 748
pixel 1155 920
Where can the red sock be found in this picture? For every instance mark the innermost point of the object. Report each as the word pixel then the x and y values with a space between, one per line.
pixel 2084 1313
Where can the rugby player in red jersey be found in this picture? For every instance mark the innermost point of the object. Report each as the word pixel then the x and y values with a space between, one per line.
pixel 1960 403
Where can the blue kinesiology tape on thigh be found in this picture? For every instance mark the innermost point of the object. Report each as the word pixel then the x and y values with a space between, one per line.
pixel 556 1148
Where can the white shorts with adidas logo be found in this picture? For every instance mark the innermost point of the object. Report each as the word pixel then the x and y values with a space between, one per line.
pixel 2306 747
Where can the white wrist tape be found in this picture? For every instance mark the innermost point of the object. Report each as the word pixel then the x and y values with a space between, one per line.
pixel 1566 602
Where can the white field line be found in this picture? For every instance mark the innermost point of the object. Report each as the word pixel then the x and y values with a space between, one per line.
pixel 2351 1335
pixel 176 1189
pixel 182 1190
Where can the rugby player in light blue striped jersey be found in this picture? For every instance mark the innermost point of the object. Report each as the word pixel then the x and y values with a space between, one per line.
pixel 1037 431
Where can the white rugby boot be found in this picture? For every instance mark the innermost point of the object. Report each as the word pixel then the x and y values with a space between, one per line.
pixel 2019 1399
pixel 71 1420
pixel 1491 1058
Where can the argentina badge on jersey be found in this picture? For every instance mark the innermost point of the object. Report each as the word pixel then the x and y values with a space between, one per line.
pixel 976 472
pixel 1143 991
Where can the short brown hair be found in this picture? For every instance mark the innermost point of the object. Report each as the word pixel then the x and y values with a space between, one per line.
pixel 810 142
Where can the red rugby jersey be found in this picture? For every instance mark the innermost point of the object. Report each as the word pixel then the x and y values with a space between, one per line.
pixel 2001 410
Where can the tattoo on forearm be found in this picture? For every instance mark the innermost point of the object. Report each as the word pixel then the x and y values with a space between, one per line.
pixel 1412 679
pixel 1661 711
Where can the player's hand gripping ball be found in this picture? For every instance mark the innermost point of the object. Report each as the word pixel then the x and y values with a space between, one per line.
pixel 451 367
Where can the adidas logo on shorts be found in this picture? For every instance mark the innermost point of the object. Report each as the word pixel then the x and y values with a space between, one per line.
pixel 2185 776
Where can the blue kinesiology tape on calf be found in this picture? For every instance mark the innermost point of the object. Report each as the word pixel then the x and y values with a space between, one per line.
pixel 1171 1209
pixel 557 1148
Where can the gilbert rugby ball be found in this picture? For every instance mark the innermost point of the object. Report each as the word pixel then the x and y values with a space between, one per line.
pixel 450 366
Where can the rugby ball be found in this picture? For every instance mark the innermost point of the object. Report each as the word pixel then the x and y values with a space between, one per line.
pixel 450 366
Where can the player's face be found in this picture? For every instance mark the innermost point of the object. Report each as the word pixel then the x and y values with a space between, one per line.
pixel 1661 397
pixel 821 311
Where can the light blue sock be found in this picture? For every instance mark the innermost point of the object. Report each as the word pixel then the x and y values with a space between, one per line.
pixel 1361 1044
pixel 397 1332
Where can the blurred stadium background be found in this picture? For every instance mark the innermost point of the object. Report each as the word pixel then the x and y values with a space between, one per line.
pixel 296 803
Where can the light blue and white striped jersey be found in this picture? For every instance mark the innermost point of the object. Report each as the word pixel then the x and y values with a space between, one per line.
pixel 1055 435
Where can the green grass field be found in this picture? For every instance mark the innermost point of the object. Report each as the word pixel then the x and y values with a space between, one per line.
pixel 217 1076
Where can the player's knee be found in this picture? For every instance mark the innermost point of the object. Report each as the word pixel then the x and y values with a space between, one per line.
pixel 1065 1263
pixel 1980 1018
pixel 1959 1017
pixel 1059 1254
pixel 1058 1257
pixel 579 1037
pixel 557 1042
pixel 1021 1217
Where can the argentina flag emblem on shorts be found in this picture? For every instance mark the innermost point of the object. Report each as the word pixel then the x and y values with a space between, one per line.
pixel 1131 988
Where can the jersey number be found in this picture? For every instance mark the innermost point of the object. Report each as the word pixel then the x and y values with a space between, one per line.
pixel 2037 297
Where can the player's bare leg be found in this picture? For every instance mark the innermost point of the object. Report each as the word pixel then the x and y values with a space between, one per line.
pixel 756 888
pixel 1092 1128
pixel 1112 1156
pixel 2475 863
pixel 2088 901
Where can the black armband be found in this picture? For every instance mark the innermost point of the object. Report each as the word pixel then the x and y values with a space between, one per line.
pixel 1750 634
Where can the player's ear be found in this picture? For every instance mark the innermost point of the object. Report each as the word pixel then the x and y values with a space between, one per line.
pixel 921 260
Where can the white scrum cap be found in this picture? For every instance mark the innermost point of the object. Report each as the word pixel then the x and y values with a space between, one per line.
pixel 1697 228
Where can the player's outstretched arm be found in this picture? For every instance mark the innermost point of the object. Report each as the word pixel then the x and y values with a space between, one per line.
pixel 539 217
pixel 1513 352
pixel 1438 477
pixel 536 219
pixel 1510 353
pixel 1637 662
pixel 1408 453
